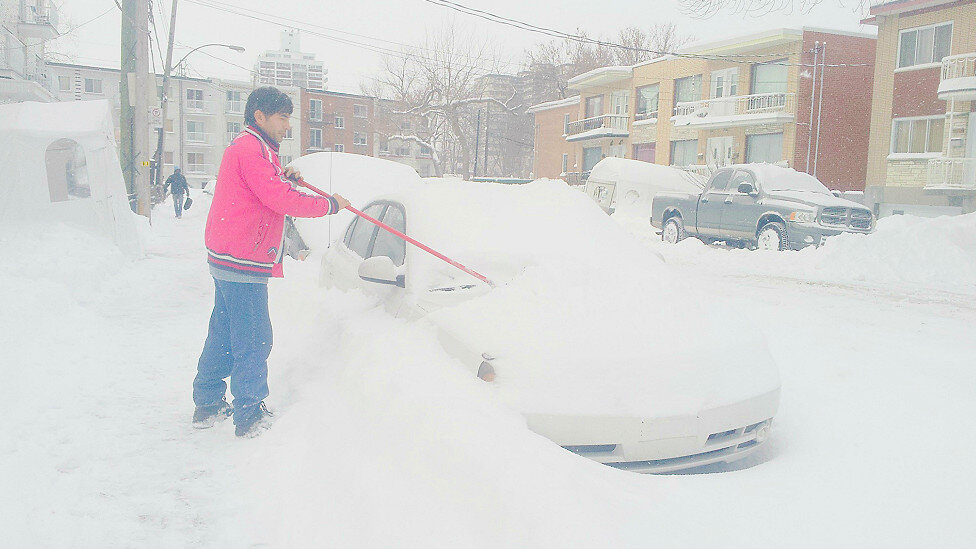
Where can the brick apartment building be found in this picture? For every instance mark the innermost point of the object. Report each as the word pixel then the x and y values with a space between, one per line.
pixel 339 122
pixel 923 126
pixel 749 99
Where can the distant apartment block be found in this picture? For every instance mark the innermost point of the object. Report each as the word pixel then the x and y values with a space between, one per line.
pixel 749 99
pixel 25 26
pixel 335 121
pixel 923 125
pixel 288 66
pixel 203 115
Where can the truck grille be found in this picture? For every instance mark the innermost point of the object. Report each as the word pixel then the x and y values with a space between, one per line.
pixel 846 218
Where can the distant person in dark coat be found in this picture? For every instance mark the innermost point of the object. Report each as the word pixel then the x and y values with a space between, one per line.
pixel 178 187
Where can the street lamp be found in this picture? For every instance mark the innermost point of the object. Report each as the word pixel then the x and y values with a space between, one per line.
pixel 168 70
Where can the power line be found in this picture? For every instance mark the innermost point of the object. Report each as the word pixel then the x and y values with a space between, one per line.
pixel 60 35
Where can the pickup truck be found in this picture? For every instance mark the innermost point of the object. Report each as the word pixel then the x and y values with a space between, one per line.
pixel 759 205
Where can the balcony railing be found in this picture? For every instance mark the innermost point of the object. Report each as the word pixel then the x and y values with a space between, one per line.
pixel 199 106
pixel 198 138
pixel 951 173
pixel 649 116
pixel 958 78
pixel 611 125
pixel 577 178
pixel 736 110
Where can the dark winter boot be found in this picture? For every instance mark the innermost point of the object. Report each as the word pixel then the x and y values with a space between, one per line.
pixel 258 420
pixel 206 416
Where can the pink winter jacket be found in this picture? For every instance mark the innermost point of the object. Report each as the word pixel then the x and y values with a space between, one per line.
pixel 245 227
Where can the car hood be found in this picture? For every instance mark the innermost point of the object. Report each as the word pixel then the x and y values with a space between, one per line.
pixel 815 199
pixel 590 343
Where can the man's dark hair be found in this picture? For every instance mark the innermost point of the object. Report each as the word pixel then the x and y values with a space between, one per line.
pixel 268 100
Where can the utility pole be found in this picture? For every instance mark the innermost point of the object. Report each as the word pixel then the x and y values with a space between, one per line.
pixel 135 123
pixel 164 99
pixel 477 145
pixel 487 119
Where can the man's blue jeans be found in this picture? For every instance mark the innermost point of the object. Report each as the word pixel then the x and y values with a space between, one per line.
pixel 237 346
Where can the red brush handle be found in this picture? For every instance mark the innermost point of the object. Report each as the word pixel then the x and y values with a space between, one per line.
pixel 386 227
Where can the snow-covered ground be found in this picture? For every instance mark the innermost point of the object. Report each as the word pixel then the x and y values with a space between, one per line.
pixel 382 441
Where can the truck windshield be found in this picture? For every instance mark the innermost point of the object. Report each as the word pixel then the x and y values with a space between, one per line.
pixel 795 181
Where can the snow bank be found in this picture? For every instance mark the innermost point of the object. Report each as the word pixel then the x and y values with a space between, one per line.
pixel 909 252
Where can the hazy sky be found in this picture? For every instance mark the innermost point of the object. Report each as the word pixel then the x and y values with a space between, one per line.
pixel 390 24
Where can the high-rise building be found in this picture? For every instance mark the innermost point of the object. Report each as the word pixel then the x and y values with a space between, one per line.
pixel 25 27
pixel 290 67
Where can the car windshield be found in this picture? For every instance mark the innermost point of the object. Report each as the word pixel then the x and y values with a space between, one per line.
pixel 790 180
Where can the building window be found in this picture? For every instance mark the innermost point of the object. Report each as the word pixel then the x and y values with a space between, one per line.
pixel 234 102
pixel 194 99
pixel 647 97
pixel 315 110
pixel 594 106
pixel 339 147
pixel 924 45
pixel 288 134
pixel 233 128
pixel 591 155
pixel 315 138
pixel 195 131
pixel 425 152
pixel 565 162
pixel 403 151
pixel 93 85
pixel 769 77
pixel 284 160
pixel 168 157
pixel 565 124
pixel 684 153
pixel 405 125
pixel 195 163
pixel 764 148
pixel 688 89
pixel 64 83
pixel 360 111
pixel 384 146
pixel 340 122
pixel 917 135
pixel 359 139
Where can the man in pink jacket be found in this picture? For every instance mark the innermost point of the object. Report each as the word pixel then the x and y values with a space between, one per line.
pixel 245 242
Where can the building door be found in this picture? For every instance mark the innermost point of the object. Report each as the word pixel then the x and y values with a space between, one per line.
pixel 719 151
pixel 591 155
pixel 645 152
pixel 724 87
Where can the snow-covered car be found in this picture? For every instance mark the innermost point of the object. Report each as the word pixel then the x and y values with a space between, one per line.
pixel 587 334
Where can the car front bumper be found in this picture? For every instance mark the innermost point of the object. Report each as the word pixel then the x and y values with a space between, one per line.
pixel 667 444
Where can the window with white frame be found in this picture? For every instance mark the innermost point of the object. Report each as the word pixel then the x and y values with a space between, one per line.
pixel 384 146
pixel 565 162
pixel 359 139
pixel 285 160
pixel 688 89
pixel 64 83
pixel 766 147
pixel 924 45
pixel 425 152
pixel 565 124
pixel 93 85
pixel 647 99
pixel 684 153
pixel 917 135
pixel 288 134
pixel 234 101
pixel 340 122
pixel 233 128
pixel 195 131
pixel 360 111
pixel 339 147
pixel 315 138
pixel 194 99
pixel 195 163
pixel 315 110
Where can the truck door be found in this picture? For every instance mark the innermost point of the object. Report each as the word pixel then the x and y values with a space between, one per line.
pixel 742 211
pixel 711 203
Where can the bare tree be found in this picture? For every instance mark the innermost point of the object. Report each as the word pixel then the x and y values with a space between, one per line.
pixel 439 82
pixel 753 8
pixel 640 45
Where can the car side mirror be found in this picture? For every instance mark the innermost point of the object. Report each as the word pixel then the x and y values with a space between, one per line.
pixel 380 269
pixel 747 188
pixel 837 193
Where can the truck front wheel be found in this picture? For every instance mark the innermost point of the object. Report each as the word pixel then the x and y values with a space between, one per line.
pixel 772 236
pixel 674 231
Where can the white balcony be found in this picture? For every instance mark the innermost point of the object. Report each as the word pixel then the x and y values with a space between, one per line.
pixel 958 79
pixel 947 174
pixel 606 125
pixel 200 107
pixel 38 19
pixel 739 110
pixel 649 117
pixel 198 138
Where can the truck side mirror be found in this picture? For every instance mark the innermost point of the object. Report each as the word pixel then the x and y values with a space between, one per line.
pixel 747 188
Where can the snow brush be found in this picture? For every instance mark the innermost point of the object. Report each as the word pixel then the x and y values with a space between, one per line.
pixel 400 235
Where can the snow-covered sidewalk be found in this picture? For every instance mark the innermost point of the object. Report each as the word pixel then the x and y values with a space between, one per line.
pixel 382 441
